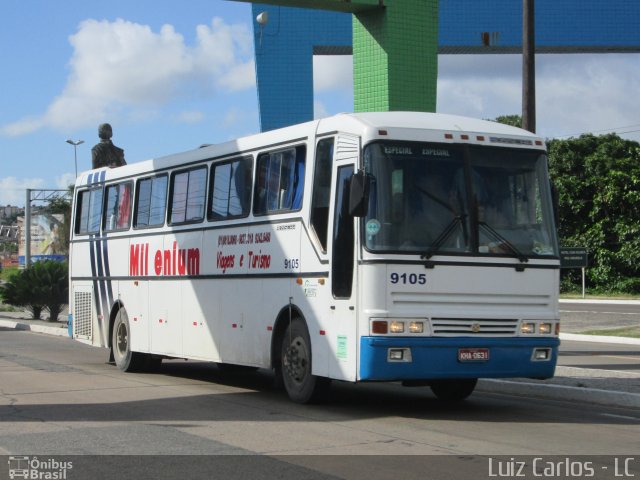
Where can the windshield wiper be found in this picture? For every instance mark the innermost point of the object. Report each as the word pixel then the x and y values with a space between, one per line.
pixel 518 254
pixel 439 241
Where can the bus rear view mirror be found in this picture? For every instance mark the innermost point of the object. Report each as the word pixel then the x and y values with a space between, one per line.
pixel 359 194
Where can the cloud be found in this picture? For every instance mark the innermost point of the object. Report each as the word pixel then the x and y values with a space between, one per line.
pixel 121 68
pixel 13 191
pixel 319 110
pixel 574 93
pixel 332 72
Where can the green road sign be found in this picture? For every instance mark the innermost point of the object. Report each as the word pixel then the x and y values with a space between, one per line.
pixel 573 257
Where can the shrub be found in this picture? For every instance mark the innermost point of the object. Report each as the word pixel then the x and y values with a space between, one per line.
pixel 18 292
pixel 43 285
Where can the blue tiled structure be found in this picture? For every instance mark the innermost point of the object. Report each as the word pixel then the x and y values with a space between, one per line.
pixel 285 45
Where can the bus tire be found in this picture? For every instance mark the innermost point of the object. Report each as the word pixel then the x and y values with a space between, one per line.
pixel 452 391
pixel 126 360
pixel 295 366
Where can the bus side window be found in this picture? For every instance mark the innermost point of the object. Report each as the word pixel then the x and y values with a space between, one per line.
pixel 151 202
pixel 343 238
pixel 322 190
pixel 117 212
pixel 280 181
pixel 89 211
pixel 230 190
pixel 188 195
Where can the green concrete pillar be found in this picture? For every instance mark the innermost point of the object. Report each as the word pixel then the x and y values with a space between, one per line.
pixel 395 57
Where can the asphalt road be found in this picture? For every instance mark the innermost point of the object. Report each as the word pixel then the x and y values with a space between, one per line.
pixel 576 317
pixel 601 356
pixel 58 397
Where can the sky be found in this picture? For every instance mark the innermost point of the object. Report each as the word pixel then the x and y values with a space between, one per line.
pixel 170 76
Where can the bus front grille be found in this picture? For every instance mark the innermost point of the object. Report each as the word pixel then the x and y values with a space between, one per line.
pixel 474 326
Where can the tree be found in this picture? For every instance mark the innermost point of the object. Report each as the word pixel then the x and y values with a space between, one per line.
pixel 513 120
pixel 598 182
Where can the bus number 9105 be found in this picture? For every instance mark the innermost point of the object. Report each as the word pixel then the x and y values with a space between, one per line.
pixel 408 278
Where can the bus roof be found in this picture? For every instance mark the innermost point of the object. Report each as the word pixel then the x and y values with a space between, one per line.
pixel 400 125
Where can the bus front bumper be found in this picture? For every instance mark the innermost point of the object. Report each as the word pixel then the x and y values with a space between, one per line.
pixel 425 358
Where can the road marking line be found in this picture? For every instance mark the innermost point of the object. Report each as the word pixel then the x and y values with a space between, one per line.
pixel 624 417
pixel 629 357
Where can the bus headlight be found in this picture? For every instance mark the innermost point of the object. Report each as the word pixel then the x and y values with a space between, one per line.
pixel 528 328
pixel 416 327
pixel 396 326
pixel 545 328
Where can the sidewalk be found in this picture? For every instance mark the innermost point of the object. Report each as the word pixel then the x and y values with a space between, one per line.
pixel 604 387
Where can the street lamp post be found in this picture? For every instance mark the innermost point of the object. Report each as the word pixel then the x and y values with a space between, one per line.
pixel 75 151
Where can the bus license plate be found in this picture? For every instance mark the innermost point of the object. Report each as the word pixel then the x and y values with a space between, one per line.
pixel 473 354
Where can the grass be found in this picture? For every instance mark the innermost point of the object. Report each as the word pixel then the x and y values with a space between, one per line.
pixel 632 332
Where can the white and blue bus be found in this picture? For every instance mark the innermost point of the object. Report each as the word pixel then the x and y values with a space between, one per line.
pixel 395 246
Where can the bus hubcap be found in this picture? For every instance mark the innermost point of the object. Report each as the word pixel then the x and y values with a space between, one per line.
pixel 296 360
pixel 122 338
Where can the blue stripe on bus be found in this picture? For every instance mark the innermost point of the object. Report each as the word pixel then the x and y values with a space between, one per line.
pixel 437 357
pixel 100 272
pixel 96 290
pixel 107 271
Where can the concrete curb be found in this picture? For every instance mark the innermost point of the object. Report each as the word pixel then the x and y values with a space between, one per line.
pixel 576 337
pixel 57 331
pixel 564 393
pixel 602 301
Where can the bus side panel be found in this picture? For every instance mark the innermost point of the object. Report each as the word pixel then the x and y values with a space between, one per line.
pixel 202 338
pixel 135 298
pixel 164 317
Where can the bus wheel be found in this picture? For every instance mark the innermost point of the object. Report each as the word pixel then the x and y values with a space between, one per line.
pixel 453 390
pixel 300 384
pixel 125 359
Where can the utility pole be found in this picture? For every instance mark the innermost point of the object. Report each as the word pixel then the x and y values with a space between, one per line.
pixel 528 66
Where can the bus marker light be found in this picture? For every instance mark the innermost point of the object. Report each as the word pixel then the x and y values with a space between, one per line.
pixel 448 136
pixel 299 281
pixel 558 328
pixel 396 326
pixel 379 327
pixel 480 138
pixel 464 137
pixel 322 332
pixel 234 325
pixel 382 132
pixel 269 328
pixel 321 281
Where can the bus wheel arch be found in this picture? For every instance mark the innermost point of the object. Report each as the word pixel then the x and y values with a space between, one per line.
pixel 294 362
pixel 120 338
pixel 279 328
pixel 112 320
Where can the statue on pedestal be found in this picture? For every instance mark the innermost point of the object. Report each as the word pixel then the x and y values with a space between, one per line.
pixel 105 153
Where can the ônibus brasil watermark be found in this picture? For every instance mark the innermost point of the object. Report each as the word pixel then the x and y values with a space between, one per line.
pixel 38 468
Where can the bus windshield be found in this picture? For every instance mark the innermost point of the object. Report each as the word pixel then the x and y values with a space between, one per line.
pixel 454 199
